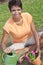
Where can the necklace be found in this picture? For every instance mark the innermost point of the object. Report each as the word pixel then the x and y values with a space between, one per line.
pixel 20 22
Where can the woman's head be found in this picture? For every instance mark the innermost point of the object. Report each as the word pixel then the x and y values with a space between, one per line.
pixel 12 3
pixel 15 7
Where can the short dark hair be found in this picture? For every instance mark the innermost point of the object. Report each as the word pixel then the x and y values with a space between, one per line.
pixel 14 3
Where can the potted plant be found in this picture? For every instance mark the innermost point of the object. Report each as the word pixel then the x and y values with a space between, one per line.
pixel 33 57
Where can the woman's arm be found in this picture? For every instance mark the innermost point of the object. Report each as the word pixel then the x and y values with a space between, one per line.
pixel 35 36
pixel 4 39
pixel 3 42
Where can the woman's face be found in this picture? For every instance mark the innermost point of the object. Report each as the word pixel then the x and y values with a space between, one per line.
pixel 16 11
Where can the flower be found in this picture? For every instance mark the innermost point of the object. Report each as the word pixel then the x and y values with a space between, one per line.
pixel 30 56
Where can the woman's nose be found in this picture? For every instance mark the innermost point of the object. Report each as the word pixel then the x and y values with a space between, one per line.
pixel 16 12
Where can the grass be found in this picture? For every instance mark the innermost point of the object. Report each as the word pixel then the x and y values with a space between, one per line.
pixel 4 15
pixel 34 7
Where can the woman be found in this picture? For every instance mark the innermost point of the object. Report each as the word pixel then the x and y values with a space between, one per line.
pixel 22 29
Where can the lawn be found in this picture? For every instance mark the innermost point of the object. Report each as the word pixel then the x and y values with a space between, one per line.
pixel 34 7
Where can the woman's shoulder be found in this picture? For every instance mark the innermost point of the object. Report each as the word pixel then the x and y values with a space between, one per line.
pixel 26 14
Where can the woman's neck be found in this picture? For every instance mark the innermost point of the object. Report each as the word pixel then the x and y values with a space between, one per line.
pixel 17 19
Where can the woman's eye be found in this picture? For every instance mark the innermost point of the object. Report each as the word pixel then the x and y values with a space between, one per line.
pixel 13 10
pixel 19 9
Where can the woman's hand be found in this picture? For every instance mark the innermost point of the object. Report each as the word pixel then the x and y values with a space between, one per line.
pixel 38 51
pixel 7 50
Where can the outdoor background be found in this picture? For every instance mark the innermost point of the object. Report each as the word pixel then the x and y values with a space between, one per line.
pixel 34 7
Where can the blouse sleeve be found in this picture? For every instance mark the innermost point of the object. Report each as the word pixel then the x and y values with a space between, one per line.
pixel 6 27
pixel 29 18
